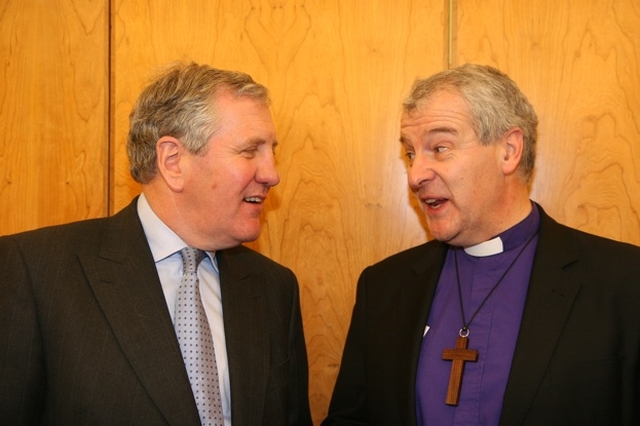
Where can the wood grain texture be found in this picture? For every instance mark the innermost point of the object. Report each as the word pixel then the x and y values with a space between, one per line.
pixel 579 64
pixel 337 72
pixel 53 112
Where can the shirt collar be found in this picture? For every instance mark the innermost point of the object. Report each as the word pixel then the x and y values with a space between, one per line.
pixel 486 248
pixel 162 240
pixel 510 238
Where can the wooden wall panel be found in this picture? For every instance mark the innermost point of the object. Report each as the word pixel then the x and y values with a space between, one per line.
pixel 579 64
pixel 337 72
pixel 53 112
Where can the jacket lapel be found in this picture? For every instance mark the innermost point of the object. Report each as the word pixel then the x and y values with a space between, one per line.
pixel 246 334
pixel 418 299
pixel 550 297
pixel 126 285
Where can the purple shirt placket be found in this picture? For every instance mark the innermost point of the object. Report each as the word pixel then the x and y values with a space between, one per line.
pixel 493 331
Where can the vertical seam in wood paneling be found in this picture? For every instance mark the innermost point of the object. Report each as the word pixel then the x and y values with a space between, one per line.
pixel 111 112
pixel 450 31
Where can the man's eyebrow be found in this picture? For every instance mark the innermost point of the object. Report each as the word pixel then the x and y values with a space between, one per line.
pixel 444 129
pixel 436 130
pixel 260 141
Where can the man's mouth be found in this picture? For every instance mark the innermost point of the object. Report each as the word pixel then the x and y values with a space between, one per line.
pixel 253 200
pixel 434 203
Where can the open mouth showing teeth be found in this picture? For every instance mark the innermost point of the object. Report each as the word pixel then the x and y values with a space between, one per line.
pixel 255 200
pixel 434 202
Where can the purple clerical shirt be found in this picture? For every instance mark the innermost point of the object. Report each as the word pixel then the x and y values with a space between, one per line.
pixel 493 331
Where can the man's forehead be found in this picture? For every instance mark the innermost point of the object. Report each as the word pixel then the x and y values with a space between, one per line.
pixel 442 103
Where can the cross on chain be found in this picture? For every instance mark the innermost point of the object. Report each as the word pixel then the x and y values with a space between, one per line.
pixel 459 355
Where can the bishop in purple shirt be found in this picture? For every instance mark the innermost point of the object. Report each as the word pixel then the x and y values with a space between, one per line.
pixel 505 317
pixel 503 265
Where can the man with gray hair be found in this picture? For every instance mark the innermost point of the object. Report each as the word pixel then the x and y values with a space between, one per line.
pixel 158 315
pixel 506 317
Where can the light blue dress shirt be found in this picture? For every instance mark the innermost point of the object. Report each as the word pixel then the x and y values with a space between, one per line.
pixel 165 246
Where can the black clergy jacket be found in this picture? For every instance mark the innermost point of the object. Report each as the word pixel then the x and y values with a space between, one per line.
pixel 577 357
pixel 86 337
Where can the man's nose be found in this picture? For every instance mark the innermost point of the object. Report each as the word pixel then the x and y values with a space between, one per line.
pixel 420 171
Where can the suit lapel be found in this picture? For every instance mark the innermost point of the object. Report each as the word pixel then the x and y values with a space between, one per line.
pixel 417 292
pixel 416 305
pixel 126 285
pixel 549 300
pixel 246 334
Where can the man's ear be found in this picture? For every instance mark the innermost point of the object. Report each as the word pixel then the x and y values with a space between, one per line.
pixel 513 145
pixel 169 152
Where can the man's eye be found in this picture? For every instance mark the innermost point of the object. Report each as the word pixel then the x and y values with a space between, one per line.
pixel 249 153
pixel 410 155
pixel 440 149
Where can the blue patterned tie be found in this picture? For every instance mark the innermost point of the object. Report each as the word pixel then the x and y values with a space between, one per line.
pixel 196 343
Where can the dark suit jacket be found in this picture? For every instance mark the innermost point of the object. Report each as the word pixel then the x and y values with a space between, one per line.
pixel 577 359
pixel 86 336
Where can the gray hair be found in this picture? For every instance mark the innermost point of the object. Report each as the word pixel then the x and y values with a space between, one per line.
pixel 180 102
pixel 495 101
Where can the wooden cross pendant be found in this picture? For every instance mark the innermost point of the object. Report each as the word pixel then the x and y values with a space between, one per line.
pixel 459 356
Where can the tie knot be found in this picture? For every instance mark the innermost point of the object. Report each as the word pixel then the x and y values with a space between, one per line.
pixel 191 258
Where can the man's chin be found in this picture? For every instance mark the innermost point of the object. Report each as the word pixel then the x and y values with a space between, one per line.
pixel 249 234
pixel 438 228
pixel 443 234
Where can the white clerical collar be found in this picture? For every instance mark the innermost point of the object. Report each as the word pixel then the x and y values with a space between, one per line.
pixel 487 248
